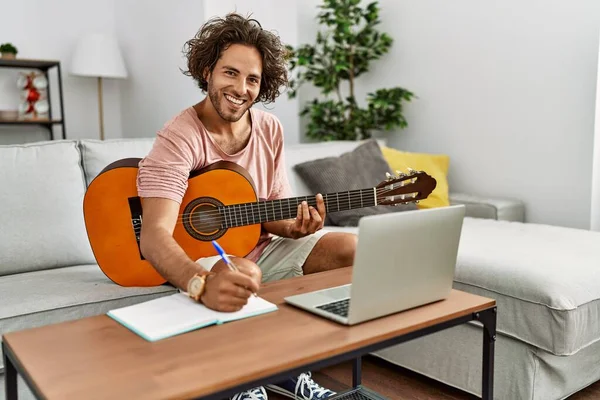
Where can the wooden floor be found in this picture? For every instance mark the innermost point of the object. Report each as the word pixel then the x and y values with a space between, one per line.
pixel 395 382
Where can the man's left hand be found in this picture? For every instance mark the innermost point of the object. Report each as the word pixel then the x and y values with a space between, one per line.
pixel 309 219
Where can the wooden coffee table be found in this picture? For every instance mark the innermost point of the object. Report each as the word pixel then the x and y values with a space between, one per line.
pixel 96 358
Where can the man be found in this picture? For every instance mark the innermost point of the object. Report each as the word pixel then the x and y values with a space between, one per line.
pixel 237 64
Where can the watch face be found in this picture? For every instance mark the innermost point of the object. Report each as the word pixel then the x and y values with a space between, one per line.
pixel 196 285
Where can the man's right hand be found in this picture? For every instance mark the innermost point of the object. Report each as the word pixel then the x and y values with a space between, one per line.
pixel 228 291
pixel 225 291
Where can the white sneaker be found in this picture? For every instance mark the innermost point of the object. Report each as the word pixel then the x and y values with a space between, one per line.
pixel 258 393
pixel 301 388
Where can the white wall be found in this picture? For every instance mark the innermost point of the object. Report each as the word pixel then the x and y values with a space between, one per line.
pixel 595 201
pixel 507 89
pixel 280 17
pixel 49 30
pixel 153 33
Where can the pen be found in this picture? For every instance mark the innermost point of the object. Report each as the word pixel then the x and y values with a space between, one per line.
pixel 225 258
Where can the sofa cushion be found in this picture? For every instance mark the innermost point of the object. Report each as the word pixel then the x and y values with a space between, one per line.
pixel 478 206
pixel 41 201
pixel 299 153
pixel 545 279
pixel 435 165
pixel 97 154
pixel 45 297
pixel 364 167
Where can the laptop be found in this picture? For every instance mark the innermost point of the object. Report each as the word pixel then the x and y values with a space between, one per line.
pixel 403 260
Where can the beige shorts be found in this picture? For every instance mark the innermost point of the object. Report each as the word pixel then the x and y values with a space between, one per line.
pixel 282 258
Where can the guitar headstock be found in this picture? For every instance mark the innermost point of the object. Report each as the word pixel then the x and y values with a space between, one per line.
pixel 405 188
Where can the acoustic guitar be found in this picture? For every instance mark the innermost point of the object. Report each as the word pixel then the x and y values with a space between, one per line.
pixel 220 203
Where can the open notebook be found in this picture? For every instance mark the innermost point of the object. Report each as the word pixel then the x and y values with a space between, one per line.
pixel 175 314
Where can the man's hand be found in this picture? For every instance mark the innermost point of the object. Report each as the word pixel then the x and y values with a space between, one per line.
pixel 309 220
pixel 227 290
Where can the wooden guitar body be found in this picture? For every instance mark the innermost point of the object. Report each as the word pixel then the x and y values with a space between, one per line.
pixel 113 218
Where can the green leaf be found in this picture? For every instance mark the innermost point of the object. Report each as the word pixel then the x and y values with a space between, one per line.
pixel 344 49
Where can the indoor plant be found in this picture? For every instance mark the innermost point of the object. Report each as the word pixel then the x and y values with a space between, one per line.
pixel 8 50
pixel 342 53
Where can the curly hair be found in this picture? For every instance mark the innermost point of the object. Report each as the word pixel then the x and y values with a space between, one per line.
pixel 217 34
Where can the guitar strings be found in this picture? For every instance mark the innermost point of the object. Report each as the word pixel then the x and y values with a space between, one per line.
pixel 209 218
pixel 310 200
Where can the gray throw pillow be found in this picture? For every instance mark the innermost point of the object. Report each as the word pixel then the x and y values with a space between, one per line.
pixel 362 168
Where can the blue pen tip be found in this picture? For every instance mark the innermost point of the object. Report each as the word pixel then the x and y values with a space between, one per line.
pixel 217 246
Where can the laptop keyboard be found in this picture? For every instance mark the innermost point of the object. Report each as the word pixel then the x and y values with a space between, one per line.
pixel 339 307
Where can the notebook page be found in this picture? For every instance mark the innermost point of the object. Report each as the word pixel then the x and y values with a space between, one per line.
pixel 255 306
pixel 163 317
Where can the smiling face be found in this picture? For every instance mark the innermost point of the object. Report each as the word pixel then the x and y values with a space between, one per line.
pixel 234 83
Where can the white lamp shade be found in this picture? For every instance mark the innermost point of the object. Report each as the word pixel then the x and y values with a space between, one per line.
pixel 98 55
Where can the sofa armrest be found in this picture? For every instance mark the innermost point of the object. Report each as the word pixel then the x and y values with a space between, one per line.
pixel 487 207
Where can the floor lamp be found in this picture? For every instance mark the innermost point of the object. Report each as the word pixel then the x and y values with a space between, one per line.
pixel 98 55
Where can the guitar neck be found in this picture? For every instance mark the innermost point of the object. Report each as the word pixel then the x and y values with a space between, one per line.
pixel 276 210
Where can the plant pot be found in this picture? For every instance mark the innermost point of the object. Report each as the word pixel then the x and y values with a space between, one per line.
pixel 9 56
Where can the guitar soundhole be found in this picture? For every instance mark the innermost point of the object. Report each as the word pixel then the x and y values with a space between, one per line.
pixel 202 219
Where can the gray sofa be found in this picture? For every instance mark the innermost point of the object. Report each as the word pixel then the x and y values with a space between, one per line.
pixel 542 277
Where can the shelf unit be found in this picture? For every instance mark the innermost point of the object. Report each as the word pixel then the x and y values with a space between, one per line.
pixel 44 66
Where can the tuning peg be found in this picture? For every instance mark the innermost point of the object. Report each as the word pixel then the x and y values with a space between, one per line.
pixel 389 176
pixel 400 174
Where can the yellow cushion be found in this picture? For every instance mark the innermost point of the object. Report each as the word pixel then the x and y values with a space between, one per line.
pixel 435 165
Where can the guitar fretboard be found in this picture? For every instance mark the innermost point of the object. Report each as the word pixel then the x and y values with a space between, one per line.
pixel 276 210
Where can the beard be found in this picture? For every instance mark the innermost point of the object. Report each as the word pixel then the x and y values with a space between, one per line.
pixel 223 106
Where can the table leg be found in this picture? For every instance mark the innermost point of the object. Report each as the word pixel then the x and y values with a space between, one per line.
pixel 488 319
pixel 10 376
pixel 356 371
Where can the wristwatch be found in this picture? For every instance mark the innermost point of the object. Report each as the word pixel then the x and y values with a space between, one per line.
pixel 196 286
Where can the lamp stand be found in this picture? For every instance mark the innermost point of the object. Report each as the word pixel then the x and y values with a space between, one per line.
pixel 100 110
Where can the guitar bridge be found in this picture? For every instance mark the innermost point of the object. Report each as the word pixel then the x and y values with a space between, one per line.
pixel 135 207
